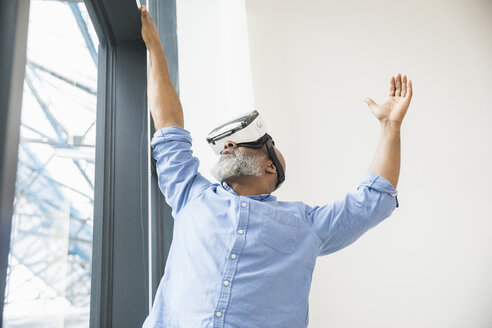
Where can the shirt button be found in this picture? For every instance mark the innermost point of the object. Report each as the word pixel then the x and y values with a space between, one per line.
pixel 218 314
pixel 241 232
pixel 244 204
pixel 233 256
pixel 226 283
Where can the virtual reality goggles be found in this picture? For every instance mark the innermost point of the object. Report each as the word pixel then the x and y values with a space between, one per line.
pixel 247 130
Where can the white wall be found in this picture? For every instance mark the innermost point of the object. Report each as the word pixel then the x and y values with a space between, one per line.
pixel 430 263
pixel 214 68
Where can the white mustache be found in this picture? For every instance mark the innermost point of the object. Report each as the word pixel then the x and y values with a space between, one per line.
pixel 234 151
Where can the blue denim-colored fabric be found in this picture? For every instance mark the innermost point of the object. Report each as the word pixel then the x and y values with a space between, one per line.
pixel 247 261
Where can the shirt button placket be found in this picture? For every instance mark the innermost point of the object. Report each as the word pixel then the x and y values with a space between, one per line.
pixel 230 268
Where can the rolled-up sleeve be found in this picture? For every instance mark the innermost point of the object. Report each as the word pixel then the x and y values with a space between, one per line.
pixel 342 222
pixel 177 168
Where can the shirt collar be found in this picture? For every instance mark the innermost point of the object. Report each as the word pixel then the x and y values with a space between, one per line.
pixel 262 197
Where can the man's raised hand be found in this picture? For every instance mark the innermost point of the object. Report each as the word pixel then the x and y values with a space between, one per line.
pixel 395 107
pixel 150 34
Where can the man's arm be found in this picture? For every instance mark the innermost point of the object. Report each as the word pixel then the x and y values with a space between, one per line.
pixel 386 162
pixel 163 100
pixel 177 168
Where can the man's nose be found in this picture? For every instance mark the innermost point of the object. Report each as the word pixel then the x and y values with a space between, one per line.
pixel 229 144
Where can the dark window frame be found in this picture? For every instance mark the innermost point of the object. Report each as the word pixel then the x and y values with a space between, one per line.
pixel 14 19
pixel 123 283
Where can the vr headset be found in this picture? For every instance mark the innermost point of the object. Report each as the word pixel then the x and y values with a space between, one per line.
pixel 246 130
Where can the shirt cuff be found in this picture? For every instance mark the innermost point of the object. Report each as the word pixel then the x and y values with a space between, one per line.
pixel 170 133
pixel 379 183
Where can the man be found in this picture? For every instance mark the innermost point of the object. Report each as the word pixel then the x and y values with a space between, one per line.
pixel 239 257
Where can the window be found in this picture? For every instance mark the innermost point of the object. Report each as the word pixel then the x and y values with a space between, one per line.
pixel 49 273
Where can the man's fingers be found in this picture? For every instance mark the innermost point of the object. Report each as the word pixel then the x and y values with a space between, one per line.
pixel 145 15
pixel 144 12
pixel 392 87
pixel 409 90
pixel 370 102
pixel 398 85
pixel 404 86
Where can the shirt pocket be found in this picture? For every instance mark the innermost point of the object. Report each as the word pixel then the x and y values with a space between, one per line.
pixel 279 230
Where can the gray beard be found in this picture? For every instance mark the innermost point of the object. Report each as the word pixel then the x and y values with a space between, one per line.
pixel 237 164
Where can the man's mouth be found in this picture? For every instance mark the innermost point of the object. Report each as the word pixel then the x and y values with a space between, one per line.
pixel 227 151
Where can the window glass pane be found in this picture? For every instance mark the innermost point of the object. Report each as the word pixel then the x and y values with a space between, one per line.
pixel 49 274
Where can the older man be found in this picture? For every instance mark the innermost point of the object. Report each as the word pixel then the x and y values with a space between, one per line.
pixel 240 257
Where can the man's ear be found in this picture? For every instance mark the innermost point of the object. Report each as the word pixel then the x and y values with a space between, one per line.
pixel 271 167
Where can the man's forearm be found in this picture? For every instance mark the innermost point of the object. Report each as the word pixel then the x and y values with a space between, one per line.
pixel 163 100
pixel 386 162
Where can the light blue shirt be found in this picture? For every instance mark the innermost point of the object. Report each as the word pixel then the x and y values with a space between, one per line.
pixel 247 261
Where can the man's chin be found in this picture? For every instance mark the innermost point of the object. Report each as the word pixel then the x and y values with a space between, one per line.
pixel 229 179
